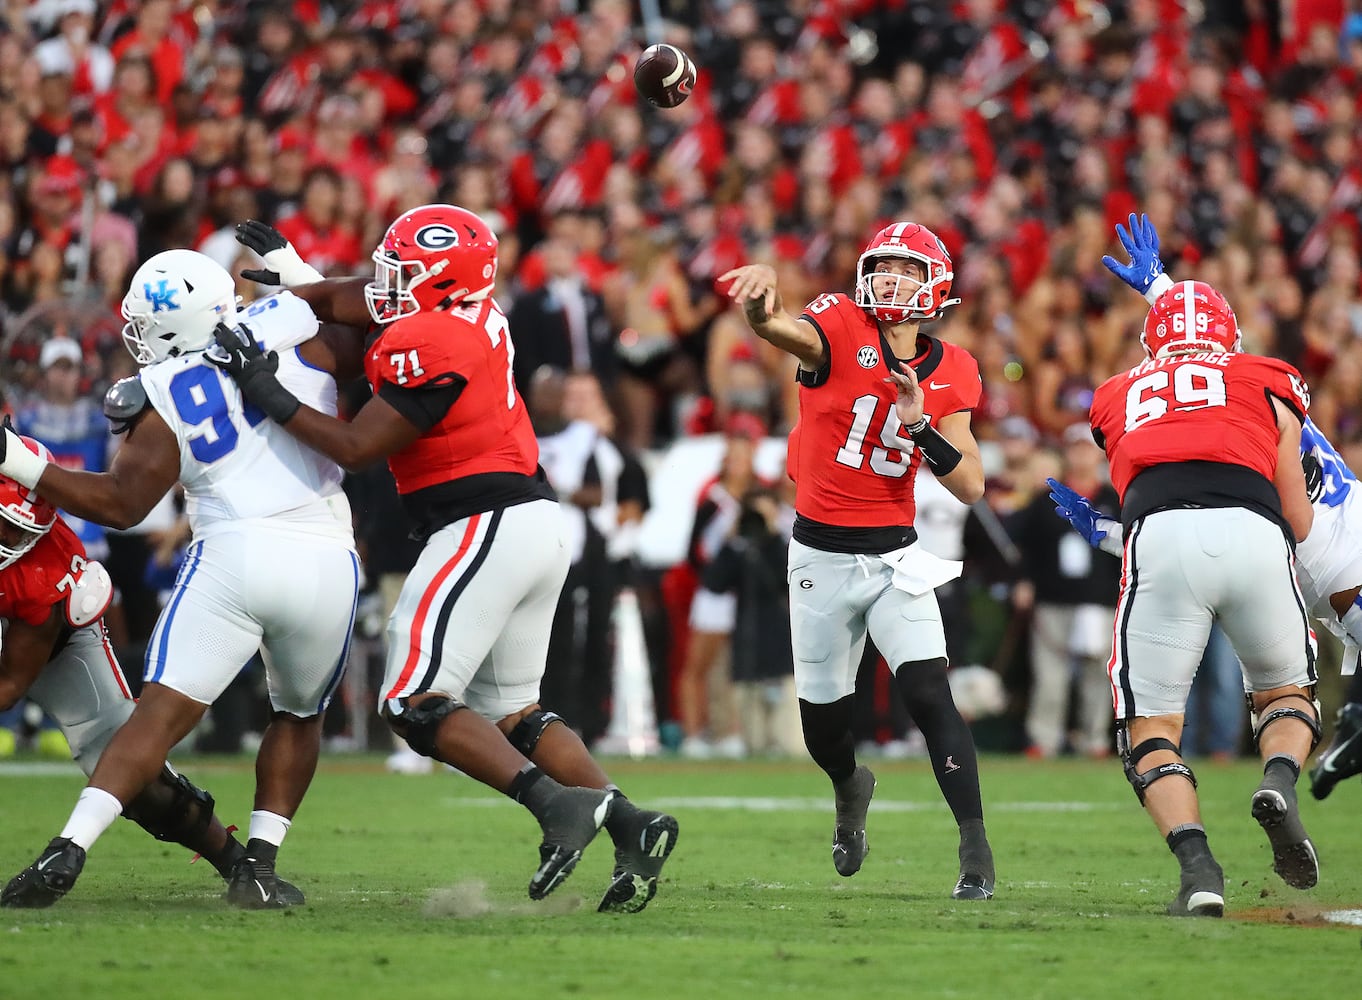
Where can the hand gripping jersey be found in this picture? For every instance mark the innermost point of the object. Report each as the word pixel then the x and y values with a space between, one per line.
pixel 42 577
pixel 852 463
pixel 488 431
pixel 235 463
pixel 1196 408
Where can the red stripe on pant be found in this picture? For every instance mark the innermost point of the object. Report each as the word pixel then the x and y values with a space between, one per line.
pixel 423 608
pixel 113 665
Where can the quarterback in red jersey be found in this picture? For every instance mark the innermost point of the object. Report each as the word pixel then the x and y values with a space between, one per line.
pixel 468 639
pixel 1204 446
pixel 877 397
pixel 56 653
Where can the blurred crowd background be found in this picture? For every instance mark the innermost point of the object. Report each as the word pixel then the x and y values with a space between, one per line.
pixel 1020 131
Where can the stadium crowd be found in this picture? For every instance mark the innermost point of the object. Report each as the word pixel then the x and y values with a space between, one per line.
pixel 1019 132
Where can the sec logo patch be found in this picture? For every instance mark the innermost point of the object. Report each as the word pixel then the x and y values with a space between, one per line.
pixel 867 357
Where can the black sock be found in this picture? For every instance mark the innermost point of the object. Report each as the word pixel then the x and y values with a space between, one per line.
pixel 533 789
pixel 829 737
pixel 1188 843
pixel 262 850
pixel 1281 771
pixel 975 854
pixel 223 860
pixel 927 695
pixel 622 815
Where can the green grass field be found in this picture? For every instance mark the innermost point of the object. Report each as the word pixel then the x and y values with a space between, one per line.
pixel 416 888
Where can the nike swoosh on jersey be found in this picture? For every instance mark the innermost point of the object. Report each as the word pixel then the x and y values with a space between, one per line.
pixel 943 385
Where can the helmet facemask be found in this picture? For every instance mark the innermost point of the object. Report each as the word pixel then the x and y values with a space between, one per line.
pixel 879 291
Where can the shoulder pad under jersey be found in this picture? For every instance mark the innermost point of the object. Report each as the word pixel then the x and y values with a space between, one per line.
pixel 125 402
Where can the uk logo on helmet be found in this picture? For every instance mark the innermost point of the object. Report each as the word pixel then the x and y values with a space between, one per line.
pixel 436 236
pixel 162 297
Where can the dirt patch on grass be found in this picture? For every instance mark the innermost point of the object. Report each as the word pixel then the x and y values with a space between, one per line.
pixel 1304 915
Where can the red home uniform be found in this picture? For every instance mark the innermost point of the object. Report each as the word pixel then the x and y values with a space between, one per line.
pixel 1192 440
pixel 81 687
pixel 488 429
pixel 852 464
pixel 1195 407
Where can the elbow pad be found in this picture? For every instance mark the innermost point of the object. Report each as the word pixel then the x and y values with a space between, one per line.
pixel 90 595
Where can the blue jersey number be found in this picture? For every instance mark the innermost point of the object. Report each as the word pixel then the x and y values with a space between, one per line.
pixel 1338 478
pixel 198 397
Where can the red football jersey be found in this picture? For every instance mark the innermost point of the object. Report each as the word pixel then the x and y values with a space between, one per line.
pixel 488 428
pixel 29 587
pixel 1195 407
pixel 852 464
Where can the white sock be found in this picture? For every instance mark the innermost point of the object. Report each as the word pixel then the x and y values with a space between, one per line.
pixel 269 827
pixel 95 812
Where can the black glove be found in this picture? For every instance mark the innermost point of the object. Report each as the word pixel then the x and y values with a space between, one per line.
pixel 237 353
pixel 262 238
pixel 1314 475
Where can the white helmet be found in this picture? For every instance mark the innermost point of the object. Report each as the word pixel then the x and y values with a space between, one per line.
pixel 175 300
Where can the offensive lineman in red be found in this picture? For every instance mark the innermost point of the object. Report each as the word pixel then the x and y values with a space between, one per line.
pixel 57 653
pixel 876 398
pixel 468 639
pixel 1204 446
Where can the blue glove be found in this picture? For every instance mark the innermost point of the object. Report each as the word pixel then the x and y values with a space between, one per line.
pixel 1077 511
pixel 1142 243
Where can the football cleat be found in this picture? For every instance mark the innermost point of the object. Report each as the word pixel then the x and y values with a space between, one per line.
pixel 638 862
pixel 972 885
pixel 1293 856
pixel 570 822
pixel 1202 893
pixel 48 879
pixel 253 885
pixel 1343 757
pixel 852 797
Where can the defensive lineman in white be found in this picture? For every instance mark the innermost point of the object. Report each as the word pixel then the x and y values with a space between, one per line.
pixel 272 567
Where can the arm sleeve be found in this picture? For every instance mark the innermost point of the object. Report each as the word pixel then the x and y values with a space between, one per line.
pixel 424 405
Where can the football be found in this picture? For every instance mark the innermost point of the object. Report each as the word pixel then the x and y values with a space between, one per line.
pixel 664 75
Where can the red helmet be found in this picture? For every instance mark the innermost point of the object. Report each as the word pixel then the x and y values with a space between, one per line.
pixel 22 508
pixel 1191 316
pixel 908 241
pixel 432 258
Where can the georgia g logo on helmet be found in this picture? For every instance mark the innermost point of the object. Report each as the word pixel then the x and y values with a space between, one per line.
pixel 437 236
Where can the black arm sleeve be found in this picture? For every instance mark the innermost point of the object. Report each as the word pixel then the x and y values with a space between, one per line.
pixel 424 405
pixel 812 380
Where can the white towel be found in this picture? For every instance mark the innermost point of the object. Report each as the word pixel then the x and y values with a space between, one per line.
pixel 917 571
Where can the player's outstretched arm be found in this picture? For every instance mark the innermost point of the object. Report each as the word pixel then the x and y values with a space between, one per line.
pixel 377 430
pixel 143 470
pixel 334 300
pixel 1290 477
pixel 1099 530
pixel 1144 273
pixel 26 651
pixel 754 288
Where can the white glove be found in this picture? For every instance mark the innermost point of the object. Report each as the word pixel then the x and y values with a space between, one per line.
pixel 25 467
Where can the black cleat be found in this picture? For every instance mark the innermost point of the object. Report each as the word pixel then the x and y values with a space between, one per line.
pixel 48 879
pixel 253 885
pixel 1293 856
pixel 972 885
pixel 852 797
pixel 1202 893
pixel 638 862
pixel 1343 757
pixel 572 819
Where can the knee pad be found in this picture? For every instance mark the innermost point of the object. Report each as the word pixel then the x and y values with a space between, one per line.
pixel 418 725
pixel 1130 762
pixel 172 808
pixel 525 736
pixel 1311 719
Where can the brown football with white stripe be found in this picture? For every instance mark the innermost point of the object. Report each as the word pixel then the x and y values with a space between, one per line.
pixel 664 75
